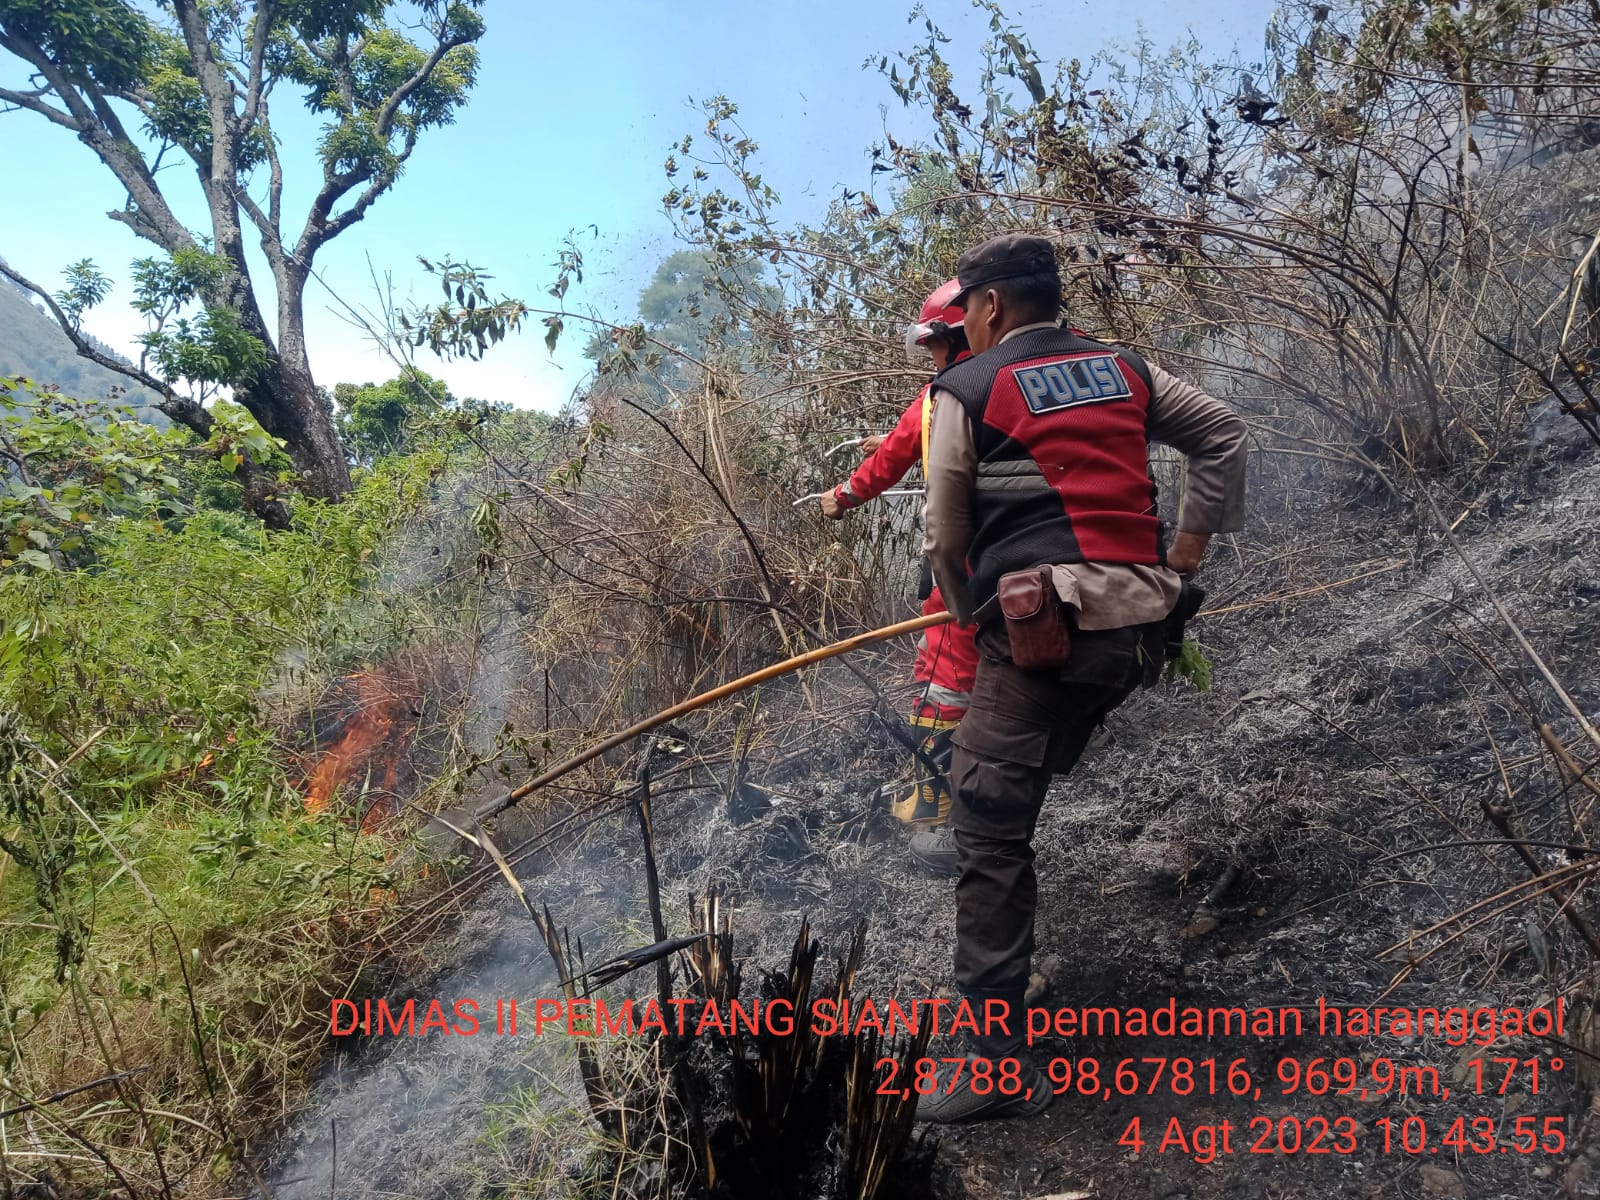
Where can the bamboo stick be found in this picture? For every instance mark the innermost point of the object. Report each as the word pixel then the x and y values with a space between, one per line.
pixel 1576 769
pixel 501 803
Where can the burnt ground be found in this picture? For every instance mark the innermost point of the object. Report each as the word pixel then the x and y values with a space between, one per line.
pixel 1343 726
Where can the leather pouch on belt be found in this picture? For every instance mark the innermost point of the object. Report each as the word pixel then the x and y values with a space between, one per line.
pixel 1036 620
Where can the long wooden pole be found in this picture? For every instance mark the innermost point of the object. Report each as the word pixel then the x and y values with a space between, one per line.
pixel 500 803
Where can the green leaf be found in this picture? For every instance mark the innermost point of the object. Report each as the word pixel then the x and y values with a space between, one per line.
pixel 1191 664
pixel 36 559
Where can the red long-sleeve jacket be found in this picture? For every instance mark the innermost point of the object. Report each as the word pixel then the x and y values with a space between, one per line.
pixel 888 464
pixel 947 655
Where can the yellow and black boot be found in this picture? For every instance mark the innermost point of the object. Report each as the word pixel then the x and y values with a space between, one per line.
pixel 927 804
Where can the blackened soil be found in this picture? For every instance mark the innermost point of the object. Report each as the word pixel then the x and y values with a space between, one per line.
pixel 1345 749
pixel 1336 772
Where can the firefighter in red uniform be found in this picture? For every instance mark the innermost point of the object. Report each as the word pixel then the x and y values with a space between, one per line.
pixel 947 658
pixel 1041 525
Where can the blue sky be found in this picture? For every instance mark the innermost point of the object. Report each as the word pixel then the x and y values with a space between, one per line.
pixel 575 109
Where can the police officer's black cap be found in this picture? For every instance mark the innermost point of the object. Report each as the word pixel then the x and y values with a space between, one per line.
pixel 1009 256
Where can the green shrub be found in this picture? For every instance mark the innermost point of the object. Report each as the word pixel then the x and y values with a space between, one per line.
pixel 164 889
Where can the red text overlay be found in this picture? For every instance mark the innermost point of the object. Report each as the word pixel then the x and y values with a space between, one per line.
pixel 690 1017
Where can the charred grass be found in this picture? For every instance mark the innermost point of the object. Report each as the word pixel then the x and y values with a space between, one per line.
pixel 1336 772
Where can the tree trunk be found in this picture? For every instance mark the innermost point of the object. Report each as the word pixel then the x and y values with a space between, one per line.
pixel 283 397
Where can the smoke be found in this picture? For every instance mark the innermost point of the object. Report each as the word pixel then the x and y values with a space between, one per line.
pixel 435 1115
pixel 395 1116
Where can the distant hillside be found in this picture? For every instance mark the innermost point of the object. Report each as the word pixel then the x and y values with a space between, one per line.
pixel 32 344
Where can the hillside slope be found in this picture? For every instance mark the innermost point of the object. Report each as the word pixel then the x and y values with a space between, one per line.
pixel 32 344
pixel 1327 782
pixel 1344 727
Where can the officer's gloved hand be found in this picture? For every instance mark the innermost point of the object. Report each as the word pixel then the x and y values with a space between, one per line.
pixel 1190 597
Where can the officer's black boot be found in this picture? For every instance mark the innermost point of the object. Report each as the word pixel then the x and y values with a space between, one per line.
pixel 1005 1082
pixel 935 850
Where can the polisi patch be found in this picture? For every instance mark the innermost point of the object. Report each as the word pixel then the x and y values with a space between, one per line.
pixel 1088 380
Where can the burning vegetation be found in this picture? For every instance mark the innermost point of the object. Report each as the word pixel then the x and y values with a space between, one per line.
pixel 361 736
pixel 1389 265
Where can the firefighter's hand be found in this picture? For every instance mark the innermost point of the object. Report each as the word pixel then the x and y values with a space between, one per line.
pixel 1186 551
pixel 870 444
pixel 831 508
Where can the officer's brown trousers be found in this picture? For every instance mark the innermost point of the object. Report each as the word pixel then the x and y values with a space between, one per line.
pixel 1022 728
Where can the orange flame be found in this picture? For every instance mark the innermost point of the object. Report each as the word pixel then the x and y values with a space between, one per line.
pixel 367 749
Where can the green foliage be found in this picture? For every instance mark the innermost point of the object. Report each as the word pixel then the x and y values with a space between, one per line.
pixel 1191 664
pixel 468 322
pixel 235 433
pixel 191 895
pixel 32 344
pixel 356 141
pixel 73 467
pixel 207 350
pixel 78 468
pixel 569 268
pixel 162 287
pixel 170 635
pixel 380 71
pixel 377 419
pixel 108 41
pixel 86 287
pixel 685 308
pixel 42 839
pixel 686 305
pixel 177 111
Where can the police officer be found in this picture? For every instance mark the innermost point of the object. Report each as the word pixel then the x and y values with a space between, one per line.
pixel 1039 489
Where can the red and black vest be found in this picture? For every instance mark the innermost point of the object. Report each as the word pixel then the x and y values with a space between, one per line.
pixel 1058 423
